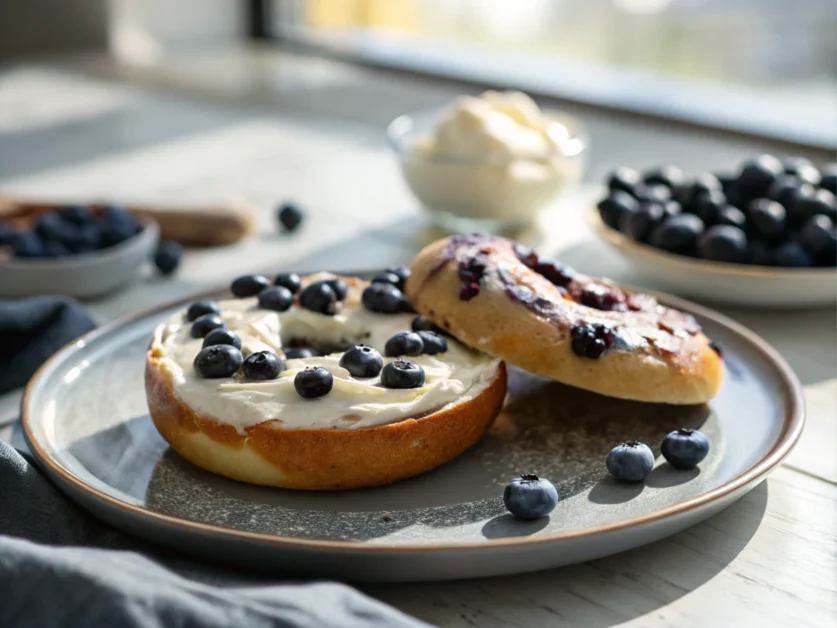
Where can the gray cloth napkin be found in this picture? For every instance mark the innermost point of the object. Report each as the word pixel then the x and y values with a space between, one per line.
pixel 62 568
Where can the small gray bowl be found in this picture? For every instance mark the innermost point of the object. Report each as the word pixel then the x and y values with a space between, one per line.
pixel 84 276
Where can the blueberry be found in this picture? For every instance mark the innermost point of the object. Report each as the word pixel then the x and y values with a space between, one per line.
pixel 757 175
pixel 786 188
pixel 729 182
pixel 262 365
pixel 530 497
pixel 402 374
pixel 313 382
pixel 557 273
pixel 816 235
pixel 664 175
pixel 615 205
pixel 117 225
pixel 708 207
pixel 319 297
pixel 362 361
pixel 591 341
pixel 52 228
pixel 766 220
pixel 218 361
pixel 383 298
pixel 7 232
pixel 671 208
pixel 420 323
pixel 248 285
pixel 723 243
pixel 433 343
pixel 76 214
pixel 290 216
pixel 624 179
pixel 402 272
pixel 276 298
pixel 299 353
pixel 758 254
pixel 823 203
pixel 291 281
pixel 390 278
pixel 829 179
pixel 221 336
pixel 26 244
pixel 828 256
pixel 704 183
pixel 678 234
pixel 733 216
pixel 340 288
pixel 85 238
pixel 199 308
pixel 205 324
pixel 791 254
pixel 55 249
pixel 404 343
pixel 638 225
pixel 168 256
pixel 802 169
pixel 684 448
pixel 653 193
pixel 630 461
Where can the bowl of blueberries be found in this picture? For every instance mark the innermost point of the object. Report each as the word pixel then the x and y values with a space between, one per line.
pixel 77 250
pixel 763 236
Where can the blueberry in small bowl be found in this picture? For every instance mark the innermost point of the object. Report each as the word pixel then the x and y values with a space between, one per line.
pixel 530 497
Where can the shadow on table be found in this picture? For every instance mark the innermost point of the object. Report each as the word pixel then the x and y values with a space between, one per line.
pixel 603 592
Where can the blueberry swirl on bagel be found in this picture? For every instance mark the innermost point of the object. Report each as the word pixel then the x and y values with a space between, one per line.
pixel 502 298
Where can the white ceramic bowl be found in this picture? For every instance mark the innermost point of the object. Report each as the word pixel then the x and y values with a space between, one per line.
pixel 718 282
pixel 83 276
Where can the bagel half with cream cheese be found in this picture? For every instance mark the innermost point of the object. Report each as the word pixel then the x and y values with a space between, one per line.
pixel 503 299
pixel 360 434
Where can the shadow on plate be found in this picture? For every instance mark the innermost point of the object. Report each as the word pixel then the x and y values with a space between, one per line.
pixel 666 476
pixel 507 526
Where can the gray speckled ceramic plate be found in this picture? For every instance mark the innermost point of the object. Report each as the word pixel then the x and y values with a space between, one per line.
pixel 85 418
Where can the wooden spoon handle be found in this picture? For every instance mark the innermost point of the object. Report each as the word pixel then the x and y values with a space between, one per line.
pixel 198 225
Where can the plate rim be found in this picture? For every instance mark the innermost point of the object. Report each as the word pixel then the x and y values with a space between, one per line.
pixel 791 429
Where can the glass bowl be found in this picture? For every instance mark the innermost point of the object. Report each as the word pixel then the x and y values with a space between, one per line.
pixel 491 192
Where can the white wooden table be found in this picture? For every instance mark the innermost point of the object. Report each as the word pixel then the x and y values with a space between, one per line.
pixel 768 560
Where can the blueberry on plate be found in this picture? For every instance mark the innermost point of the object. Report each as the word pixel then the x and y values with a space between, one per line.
pixel 390 278
pixel 630 461
pixel 262 365
pixel 816 235
pixel 404 343
pixel 615 205
pixel 678 234
pixel 26 244
pixel 758 174
pixel 199 308
pixel 217 361
pixel 362 361
pixel 530 497
pixel 791 255
pixel 802 169
pixel 276 298
pixel 313 382
pixel 402 272
pixel 758 254
pixel 76 214
pixel 708 206
pixel 664 175
pixel 402 374
pixel 684 448
pixel 766 219
pixel 639 225
pixel 319 297
pixel 290 216
pixel 340 288
pixel 205 324
pixel 299 353
pixel 383 298
pixel 291 281
pixel 723 243
pixel 433 342
pixel 624 179
pixel 167 257
pixel 733 216
pixel 248 285
pixel 829 178
pixel 222 336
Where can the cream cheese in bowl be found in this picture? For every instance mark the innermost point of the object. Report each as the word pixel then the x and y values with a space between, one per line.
pixel 497 158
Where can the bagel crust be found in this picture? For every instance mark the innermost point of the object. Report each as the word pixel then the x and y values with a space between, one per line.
pixel 320 459
pixel 495 295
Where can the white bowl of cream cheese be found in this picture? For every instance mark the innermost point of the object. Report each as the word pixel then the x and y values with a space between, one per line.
pixel 490 162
